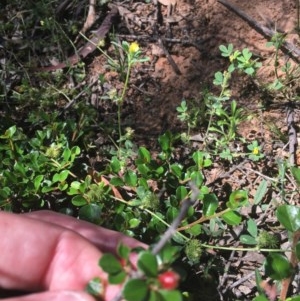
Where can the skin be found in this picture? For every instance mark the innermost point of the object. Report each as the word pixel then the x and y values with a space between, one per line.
pixel 54 256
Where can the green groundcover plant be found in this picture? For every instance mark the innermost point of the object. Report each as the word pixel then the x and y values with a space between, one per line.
pixel 44 164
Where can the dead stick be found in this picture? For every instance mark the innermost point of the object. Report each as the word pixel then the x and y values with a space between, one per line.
pixel 292 135
pixel 169 57
pixel 288 48
pixel 90 46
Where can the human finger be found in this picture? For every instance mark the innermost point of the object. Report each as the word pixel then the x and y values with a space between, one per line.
pixel 54 296
pixel 106 240
pixel 38 256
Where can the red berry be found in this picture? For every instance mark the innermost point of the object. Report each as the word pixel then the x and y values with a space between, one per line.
pixel 168 280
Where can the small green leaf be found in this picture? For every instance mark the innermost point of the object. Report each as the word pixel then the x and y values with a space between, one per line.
pixel 218 81
pixel 75 151
pixel 170 295
pixel 159 170
pixel 179 238
pixel 116 181
pixel 165 141
pixel 143 169
pixel 123 251
pixel 90 213
pixel 147 263
pixel 172 213
pixel 247 239
pixel 66 154
pixel 143 155
pixel 210 204
pixel 226 51
pixel 289 217
pixel 134 222
pixel 237 199
pixel 176 170
pixel 249 70
pixel 110 264
pixel 232 218
pixel 197 178
pixel 19 167
pixel 76 187
pixel 198 158
pixel 296 174
pixel 60 177
pixel 9 132
pixel 169 253
pixel 135 290
pixel 5 192
pixel 194 230
pixel 181 193
pixel 252 227
pixel 63 186
pixel 117 278
pixel 278 267
pixel 79 201
pixel 130 178
pixel 260 192
pixel 246 54
pixel 37 181
pixel 115 164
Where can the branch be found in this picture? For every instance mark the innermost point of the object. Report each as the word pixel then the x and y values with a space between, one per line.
pixel 90 46
pixel 288 48
pixel 292 135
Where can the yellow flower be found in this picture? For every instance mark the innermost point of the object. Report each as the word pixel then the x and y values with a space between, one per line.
pixel 255 151
pixel 134 47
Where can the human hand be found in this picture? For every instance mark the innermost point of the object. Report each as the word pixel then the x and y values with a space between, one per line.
pixel 54 256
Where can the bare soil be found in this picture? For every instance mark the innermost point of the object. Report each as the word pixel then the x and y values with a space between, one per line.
pixel 193 43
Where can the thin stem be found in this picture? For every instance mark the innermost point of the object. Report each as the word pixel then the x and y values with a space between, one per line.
pixel 255 249
pixel 170 233
pixel 203 219
pixel 121 100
